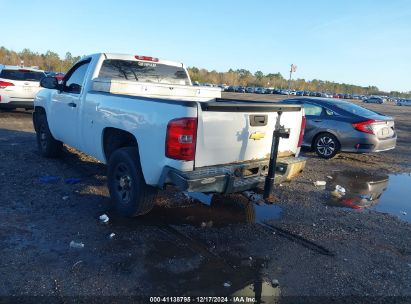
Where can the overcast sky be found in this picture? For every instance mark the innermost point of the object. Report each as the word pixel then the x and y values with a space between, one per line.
pixel 363 42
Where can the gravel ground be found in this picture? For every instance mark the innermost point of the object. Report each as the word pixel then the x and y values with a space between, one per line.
pixel 187 248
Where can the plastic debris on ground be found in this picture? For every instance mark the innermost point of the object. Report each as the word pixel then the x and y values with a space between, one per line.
pixel 66 197
pixel 227 284
pixel 338 192
pixel 207 224
pixel 254 197
pixel 320 183
pixel 76 263
pixel 48 179
pixel 112 235
pixel 340 189
pixel 275 283
pixel 74 244
pixel 403 213
pixel 104 218
pixel 72 180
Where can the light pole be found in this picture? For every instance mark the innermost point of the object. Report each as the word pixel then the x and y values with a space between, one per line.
pixel 293 68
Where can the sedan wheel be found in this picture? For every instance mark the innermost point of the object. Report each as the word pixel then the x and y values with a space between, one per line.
pixel 326 145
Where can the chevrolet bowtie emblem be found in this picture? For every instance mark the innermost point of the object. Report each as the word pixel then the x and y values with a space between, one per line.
pixel 257 135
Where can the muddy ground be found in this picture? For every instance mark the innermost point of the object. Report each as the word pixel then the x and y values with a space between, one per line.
pixel 299 247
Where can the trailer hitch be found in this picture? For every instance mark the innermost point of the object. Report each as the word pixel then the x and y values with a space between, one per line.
pixel 279 132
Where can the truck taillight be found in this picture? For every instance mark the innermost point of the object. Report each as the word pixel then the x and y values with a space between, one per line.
pixel 300 140
pixel 146 58
pixel 364 126
pixel 4 84
pixel 181 138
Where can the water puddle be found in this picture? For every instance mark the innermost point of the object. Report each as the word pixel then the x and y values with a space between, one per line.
pixel 188 274
pixel 212 211
pixel 384 193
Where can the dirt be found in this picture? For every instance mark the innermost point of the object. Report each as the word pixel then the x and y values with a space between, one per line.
pixel 187 248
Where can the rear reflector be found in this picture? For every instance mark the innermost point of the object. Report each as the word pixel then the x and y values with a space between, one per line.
pixel 300 140
pixel 365 126
pixel 146 58
pixel 4 84
pixel 181 139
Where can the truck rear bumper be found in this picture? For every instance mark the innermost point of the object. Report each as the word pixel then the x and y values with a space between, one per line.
pixel 232 178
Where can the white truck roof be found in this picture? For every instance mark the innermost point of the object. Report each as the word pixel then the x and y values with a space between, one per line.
pixel 133 57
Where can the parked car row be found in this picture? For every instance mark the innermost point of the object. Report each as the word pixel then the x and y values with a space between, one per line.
pixel 403 102
pixel 364 98
pixel 261 90
pixel 57 75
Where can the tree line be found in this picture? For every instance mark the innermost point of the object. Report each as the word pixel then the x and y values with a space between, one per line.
pixel 242 77
pixel 51 61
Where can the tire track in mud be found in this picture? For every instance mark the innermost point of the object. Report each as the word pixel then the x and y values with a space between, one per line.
pixel 298 239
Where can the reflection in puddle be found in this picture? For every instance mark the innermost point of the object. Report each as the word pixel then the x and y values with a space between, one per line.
pixel 182 265
pixel 224 275
pixel 384 193
pixel 213 211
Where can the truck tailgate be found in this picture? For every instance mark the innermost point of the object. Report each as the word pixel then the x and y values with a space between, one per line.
pixel 231 132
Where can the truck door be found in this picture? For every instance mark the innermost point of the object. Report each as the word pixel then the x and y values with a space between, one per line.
pixel 65 105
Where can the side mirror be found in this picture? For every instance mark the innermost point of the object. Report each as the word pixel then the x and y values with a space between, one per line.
pixel 49 83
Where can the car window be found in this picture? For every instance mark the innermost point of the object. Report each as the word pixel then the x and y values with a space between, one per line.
pixel 143 71
pixel 312 110
pixel 354 109
pixel 22 75
pixel 74 82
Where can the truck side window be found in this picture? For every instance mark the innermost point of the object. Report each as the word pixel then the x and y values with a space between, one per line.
pixel 312 110
pixel 74 82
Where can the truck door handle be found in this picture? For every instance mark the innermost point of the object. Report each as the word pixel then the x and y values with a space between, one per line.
pixel 317 120
pixel 72 104
pixel 258 120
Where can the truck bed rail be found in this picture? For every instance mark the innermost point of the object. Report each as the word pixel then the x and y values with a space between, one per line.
pixel 235 105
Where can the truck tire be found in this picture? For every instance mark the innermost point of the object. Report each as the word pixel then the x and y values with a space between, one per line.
pixel 128 190
pixel 48 146
pixel 326 145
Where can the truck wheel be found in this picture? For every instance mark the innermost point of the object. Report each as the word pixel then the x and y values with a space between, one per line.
pixel 326 145
pixel 128 190
pixel 47 145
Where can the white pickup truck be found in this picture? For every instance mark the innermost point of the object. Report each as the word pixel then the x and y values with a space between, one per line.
pixel 143 118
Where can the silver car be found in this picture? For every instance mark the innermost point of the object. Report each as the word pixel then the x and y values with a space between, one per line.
pixel 336 125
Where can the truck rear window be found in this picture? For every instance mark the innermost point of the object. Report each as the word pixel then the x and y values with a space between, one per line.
pixel 23 75
pixel 143 71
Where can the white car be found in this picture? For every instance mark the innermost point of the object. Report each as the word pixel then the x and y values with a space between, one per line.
pixel 143 118
pixel 19 86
